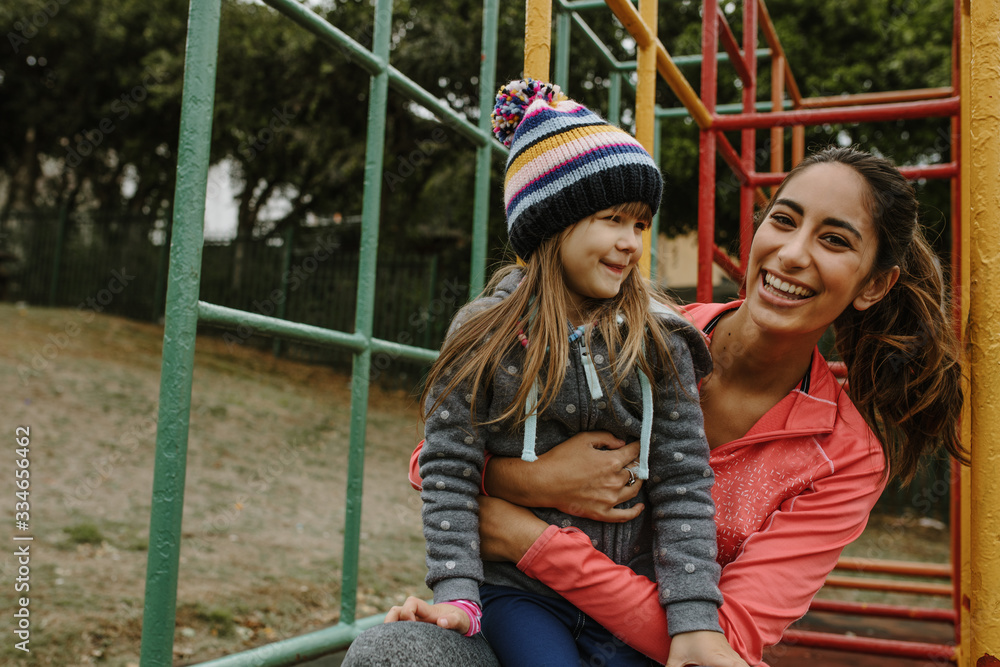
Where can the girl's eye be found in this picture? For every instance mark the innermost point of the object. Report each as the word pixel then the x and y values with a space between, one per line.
pixel 642 226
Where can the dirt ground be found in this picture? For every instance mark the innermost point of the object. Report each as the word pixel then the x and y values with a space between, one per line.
pixel 263 516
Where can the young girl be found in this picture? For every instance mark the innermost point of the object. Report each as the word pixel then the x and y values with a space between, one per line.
pixel 574 341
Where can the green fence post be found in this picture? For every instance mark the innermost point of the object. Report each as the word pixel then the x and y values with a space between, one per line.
pixel 484 153
pixel 654 225
pixel 370 210
pixel 286 265
pixel 57 255
pixel 615 98
pixel 162 266
pixel 198 101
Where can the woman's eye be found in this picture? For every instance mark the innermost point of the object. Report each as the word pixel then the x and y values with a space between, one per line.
pixel 782 220
pixel 838 241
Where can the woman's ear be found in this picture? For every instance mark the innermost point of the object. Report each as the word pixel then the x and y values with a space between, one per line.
pixel 876 288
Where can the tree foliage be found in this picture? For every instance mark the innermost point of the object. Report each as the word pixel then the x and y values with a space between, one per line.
pixel 90 101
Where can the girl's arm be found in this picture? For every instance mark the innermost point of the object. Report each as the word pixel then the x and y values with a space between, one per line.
pixel 680 497
pixel 767 587
pixel 451 466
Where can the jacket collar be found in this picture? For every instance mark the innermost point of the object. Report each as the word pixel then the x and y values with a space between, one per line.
pixel 810 409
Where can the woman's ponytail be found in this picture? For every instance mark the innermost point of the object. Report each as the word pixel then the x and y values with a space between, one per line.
pixel 903 368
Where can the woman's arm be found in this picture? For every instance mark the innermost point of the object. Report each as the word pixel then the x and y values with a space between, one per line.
pixel 804 536
pixel 584 476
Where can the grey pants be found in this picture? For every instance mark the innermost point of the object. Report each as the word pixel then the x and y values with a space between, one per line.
pixel 413 644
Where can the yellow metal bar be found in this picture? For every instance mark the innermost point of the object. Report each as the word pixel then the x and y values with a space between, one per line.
pixel 537 38
pixel 645 106
pixel 965 161
pixel 984 327
pixel 632 21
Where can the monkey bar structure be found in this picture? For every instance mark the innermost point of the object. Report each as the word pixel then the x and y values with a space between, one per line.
pixel 972 102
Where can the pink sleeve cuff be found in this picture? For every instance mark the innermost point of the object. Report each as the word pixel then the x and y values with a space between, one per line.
pixel 474 612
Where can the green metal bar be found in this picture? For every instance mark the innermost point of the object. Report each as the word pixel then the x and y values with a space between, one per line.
pixel 364 315
pixel 375 65
pixel 723 57
pixel 317 25
pixel 286 265
pixel 484 154
pixel 296 649
pixel 177 370
pixel 57 254
pixel 603 51
pixel 681 112
pixel 615 98
pixel 231 318
pixel 561 73
pixel 582 5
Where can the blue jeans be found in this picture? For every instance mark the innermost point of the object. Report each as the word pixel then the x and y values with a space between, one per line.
pixel 531 630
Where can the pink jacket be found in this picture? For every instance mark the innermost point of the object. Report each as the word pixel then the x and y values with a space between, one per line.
pixel 789 496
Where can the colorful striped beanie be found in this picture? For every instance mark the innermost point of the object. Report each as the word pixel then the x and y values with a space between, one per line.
pixel 565 163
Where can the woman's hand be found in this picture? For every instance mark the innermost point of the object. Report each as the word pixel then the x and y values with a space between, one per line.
pixel 447 616
pixel 506 531
pixel 705 648
pixel 584 476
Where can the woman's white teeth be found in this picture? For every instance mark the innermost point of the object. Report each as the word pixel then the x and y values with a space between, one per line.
pixel 786 287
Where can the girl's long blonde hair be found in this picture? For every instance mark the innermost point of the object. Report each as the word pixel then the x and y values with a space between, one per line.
pixel 539 307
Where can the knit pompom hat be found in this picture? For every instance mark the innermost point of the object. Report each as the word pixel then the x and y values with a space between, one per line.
pixel 565 163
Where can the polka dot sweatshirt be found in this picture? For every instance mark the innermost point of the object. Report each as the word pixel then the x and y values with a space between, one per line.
pixel 672 543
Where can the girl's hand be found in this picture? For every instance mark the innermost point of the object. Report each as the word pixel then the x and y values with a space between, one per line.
pixel 704 648
pixel 584 476
pixel 445 615
pixel 506 531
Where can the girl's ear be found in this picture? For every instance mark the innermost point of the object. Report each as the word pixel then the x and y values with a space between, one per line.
pixel 876 288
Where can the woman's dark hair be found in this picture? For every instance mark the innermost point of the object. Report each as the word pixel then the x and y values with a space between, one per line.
pixel 902 354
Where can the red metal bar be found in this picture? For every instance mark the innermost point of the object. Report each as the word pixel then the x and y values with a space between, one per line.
pixel 734 272
pixel 876 112
pixel 872 645
pixel 889 585
pixel 886 97
pixel 748 139
pixel 707 149
pixel 915 172
pixel 732 48
pixel 883 610
pixel 771 36
pixel 777 101
pixel 903 567
pixel 732 158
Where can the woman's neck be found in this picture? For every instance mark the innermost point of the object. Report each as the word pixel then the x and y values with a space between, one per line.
pixel 746 355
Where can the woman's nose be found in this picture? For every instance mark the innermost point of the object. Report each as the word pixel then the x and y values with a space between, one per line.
pixel 794 253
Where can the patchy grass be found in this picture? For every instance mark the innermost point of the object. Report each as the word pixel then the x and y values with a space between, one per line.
pixel 264 501
pixel 263 515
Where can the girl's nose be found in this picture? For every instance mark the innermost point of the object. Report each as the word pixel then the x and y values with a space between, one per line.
pixel 629 241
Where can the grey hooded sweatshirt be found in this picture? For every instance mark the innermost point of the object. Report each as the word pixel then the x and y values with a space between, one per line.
pixel 672 542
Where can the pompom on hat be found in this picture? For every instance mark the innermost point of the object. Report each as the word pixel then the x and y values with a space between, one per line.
pixel 565 163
